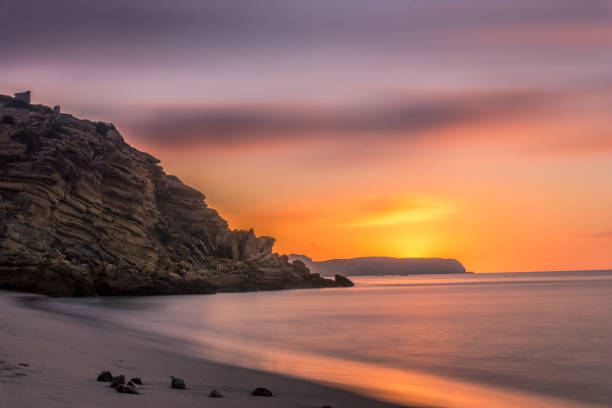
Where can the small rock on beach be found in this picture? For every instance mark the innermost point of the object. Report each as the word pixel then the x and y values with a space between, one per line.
pixel 105 376
pixel 178 383
pixel 120 379
pixel 126 389
pixel 215 394
pixel 262 392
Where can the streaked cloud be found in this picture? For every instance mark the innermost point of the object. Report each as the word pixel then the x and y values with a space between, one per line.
pixel 397 211
pixel 135 29
pixel 360 211
pixel 394 118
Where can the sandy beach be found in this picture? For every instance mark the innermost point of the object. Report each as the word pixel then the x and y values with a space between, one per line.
pixel 52 360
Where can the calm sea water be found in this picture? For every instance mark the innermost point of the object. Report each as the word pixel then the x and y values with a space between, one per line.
pixel 473 340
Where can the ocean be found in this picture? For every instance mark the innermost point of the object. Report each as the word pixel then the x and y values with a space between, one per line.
pixel 541 339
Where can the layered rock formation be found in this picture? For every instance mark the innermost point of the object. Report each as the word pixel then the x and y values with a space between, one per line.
pixel 84 213
pixel 376 266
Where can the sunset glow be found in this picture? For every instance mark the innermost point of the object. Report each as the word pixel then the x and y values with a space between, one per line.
pixel 320 203
pixel 347 130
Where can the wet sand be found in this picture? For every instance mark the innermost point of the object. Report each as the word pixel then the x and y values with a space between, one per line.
pixel 52 360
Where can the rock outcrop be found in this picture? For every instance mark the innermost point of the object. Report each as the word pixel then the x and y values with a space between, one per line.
pixel 84 213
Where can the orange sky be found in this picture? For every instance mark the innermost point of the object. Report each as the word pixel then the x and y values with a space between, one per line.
pixel 477 130
pixel 528 192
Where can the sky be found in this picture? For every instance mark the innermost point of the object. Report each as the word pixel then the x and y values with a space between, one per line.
pixel 473 129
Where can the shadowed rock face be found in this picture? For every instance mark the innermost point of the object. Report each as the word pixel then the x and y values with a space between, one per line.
pixel 84 213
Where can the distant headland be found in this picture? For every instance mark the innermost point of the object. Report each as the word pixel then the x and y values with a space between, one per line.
pixel 83 213
pixel 377 266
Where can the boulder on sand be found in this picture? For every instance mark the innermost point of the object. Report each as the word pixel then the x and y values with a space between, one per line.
pixel 120 379
pixel 215 394
pixel 126 389
pixel 105 376
pixel 136 380
pixel 262 392
pixel 178 383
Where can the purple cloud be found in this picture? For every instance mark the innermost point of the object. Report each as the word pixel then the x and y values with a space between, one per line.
pixel 397 118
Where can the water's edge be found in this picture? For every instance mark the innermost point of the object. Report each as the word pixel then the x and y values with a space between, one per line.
pixel 209 339
pixel 161 342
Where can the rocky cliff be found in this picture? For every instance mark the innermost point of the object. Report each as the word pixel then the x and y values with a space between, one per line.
pixel 376 266
pixel 84 213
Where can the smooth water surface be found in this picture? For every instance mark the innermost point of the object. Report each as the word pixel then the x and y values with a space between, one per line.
pixel 478 340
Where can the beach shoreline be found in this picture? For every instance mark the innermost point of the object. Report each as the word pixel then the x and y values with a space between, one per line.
pixel 50 359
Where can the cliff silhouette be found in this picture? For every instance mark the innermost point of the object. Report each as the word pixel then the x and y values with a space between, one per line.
pixel 84 213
